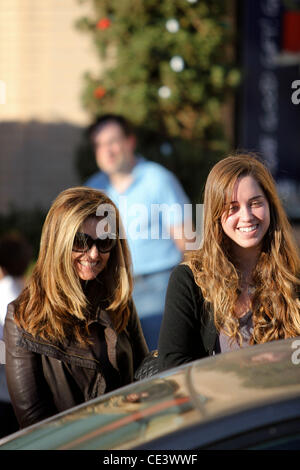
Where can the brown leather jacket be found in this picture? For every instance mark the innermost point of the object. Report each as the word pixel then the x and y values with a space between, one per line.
pixel 45 378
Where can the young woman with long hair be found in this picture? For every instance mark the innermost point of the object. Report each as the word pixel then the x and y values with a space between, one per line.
pixel 73 333
pixel 241 287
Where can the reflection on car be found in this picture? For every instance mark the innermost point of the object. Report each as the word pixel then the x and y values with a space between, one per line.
pixel 238 400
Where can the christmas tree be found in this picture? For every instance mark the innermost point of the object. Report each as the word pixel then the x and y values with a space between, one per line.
pixel 169 69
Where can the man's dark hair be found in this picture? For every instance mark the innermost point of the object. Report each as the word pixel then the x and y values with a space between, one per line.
pixel 105 119
pixel 15 254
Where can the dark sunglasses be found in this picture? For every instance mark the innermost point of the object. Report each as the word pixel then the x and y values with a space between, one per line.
pixel 84 242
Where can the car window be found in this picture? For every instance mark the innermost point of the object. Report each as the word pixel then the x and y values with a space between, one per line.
pixel 278 436
pixel 291 442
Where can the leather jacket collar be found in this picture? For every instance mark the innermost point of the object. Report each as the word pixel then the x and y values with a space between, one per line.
pixel 75 354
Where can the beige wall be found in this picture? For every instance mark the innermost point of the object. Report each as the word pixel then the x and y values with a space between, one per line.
pixel 42 60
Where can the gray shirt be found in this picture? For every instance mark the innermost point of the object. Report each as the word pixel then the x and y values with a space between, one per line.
pixel 246 330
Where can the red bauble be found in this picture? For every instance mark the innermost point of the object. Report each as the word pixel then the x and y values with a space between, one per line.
pixel 104 23
pixel 99 92
pixel 291 31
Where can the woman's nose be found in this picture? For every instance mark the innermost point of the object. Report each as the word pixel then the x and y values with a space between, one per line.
pixel 93 252
pixel 246 213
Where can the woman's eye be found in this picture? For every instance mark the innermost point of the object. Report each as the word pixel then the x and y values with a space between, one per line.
pixel 232 209
pixel 256 203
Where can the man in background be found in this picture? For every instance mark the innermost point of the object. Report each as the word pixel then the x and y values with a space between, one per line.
pixel 138 187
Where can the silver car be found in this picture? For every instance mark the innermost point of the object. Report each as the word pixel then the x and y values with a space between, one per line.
pixel 246 399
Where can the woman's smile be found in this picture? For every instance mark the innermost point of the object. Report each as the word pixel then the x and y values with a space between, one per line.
pixel 250 229
pixel 88 263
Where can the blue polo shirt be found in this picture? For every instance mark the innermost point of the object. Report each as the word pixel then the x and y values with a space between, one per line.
pixel 150 205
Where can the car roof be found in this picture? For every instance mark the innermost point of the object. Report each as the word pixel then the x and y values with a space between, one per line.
pixel 193 395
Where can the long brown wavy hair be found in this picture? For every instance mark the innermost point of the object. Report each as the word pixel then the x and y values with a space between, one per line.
pixel 54 305
pixel 275 302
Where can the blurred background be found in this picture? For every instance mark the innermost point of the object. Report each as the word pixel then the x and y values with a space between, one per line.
pixel 198 79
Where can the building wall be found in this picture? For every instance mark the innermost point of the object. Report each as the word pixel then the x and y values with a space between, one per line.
pixel 42 61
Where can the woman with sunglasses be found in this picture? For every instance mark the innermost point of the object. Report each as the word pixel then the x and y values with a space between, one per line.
pixel 73 333
pixel 241 287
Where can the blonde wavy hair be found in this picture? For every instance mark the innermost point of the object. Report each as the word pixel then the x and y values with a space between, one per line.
pixel 275 302
pixel 54 306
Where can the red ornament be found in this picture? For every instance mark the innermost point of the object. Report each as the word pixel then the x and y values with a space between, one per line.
pixel 291 31
pixel 104 23
pixel 99 92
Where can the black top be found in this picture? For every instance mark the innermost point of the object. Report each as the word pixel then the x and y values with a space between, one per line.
pixel 188 331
